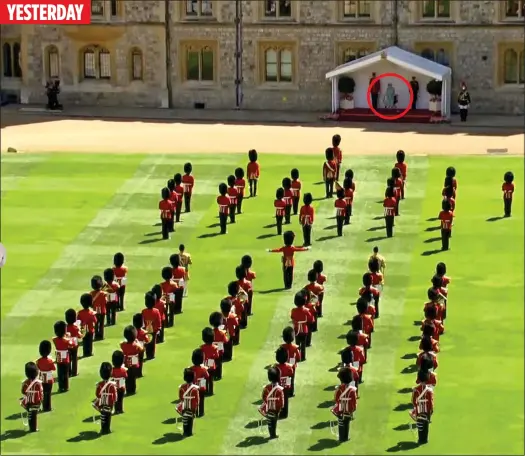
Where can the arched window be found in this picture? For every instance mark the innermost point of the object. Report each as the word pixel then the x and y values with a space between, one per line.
pixel 52 62
pixel 7 60
pixel 136 65
pixel 16 61
pixel 510 63
pixel 104 63
pixel 96 63
pixel 522 67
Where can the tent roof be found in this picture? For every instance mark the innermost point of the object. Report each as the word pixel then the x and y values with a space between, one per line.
pixel 397 56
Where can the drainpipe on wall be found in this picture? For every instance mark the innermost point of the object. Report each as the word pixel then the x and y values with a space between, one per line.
pixel 167 46
pixel 238 54
pixel 395 22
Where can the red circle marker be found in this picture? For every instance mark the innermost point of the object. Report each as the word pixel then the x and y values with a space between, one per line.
pixel 396 116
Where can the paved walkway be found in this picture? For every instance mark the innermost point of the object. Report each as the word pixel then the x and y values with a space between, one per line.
pixel 512 123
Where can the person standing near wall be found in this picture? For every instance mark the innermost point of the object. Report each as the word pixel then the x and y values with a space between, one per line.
pixel 375 90
pixel 463 102
pixel 415 90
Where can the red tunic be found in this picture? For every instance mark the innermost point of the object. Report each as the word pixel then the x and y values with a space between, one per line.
pixel 62 346
pixel 422 400
pixel 280 207
pixel 296 188
pixel 253 170
pixel 166 208
pixel 321 278
pixel 286 372
pixel 99 301
pixel 178 274
pixel 160 305
pixel 345 400
pixel 508 190
pixel 349 196
pixel 106 393
pixel 294 354
pixel 121 274
pixel 288 252
pixel 224 204
pixel 446 218
pixel 398 185
pixel 201 375
pixel 73 332
pixel 179 190
pixel 152 320
pixel 131 353
pixel 46 366
pixel 188 397
pixel 329 169
pixel 33 393
pixel 273 398
pixel 240 185
pixel 211 355
pixel 338 154
pixel 219 339
pixel 119 375
pixel 340 207
pixel 188 182
pixel 438 327
pixel 231 322
pixel 87 319
pixel 390 206
pixel 168 289
pixel 233 193
pixel 306 215
pixel 403 168
pixel 301 317
pixel 288 197
pixel 434 359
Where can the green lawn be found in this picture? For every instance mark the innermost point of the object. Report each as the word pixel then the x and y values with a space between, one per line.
pixel 65 215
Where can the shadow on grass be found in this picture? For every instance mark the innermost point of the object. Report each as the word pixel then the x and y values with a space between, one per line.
pixel 318 183
pixel 267 236
pixel 379 217
pixel 252 425
pixel 410 369
pixel 404 390
pixel 403 407
pixel 495 219
pixel 272 225
pixel 170 421
pixel 214 225
pixel 12 434
pixel 414 338
pixel 259 402
pixel 376 228
pixel 84 436
pixel 331 218
pixel 170 437
pixel 417 322
pixel 334 369
pixel 321 425
pixel 432 219
pixel 402 427
pixel 325 404
pixel 402 446
pixel 253 441
pixel 342 336
pixel 431 252
pixel 324 444
pixel 157 224
pixel 156 233
pixel 430 240
pixel 330 227
pixel 208 235
pixel 329 388
pixel 151 241
pixel 409 356
pixel 322 198
pixel 13 417
pixel 327 238
pixel 377 238
pixel 88 419
pixel 433 228
pixel 273 290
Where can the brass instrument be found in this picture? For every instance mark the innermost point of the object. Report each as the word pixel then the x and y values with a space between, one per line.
pixel 242 296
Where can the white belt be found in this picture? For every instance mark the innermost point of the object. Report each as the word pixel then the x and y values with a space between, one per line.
pixel 46 376
pixel 219 345
pixel 202 382
pixel 210 363
pixel 61 354
pixel 171 297
pixel 112 297
pixel 222 327
pixel 356 364
pixel 74 340
pixel 121 382
pixel 291 361
pixel 134 359
pixel 123 280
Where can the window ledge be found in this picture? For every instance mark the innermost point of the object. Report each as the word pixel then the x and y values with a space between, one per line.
pixel 11 83
pixel 511 88
pixel 361 20
pixel 280 20
pixel 512 20
pixel 278 86
pixel 96 85
pixel 199 85
pixel 435 20
pixel 192 20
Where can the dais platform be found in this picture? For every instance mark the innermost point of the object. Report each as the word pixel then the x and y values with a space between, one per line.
pixel 366 115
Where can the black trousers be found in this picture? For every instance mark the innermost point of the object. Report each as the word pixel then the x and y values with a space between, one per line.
pixel 307 235
pixel 249 303
pixel 507 202
pixel 376 305
pixel 253 187
pixel 320 305
pixel 178 300
pixel 445 239
pixel 131 380
pixel 389 224
pixel 63 377
pixel 171 222
pixel 187 423
pixel 329 187
pixel 236 339
pixel 150 347
pixel 287 214
pixel 187 202
pixel 210 384
pixel 223 220
pixel 288 276
pixel 160 334
pixel 87 345
pixel 279 224
pixel 178 210
pixel 343 424
pixel 217 374
pixel 119 404
pixel 295 205
pixel 200 412
pixel 463 114
pixel 73 362
pixel 397 206
pixel 46 400
pixel 271 422
pixel 121 293
pixel 171 314
pixel 99 327
pixel 348 214
pixel 284 411
pixel 141 365
pixel 233 209
pixel 166 227
pixel 292 388
pixel 375 99
pixel 105 421
pixel 111 315
pixel 340 222
pixel 300 341
pixel 239 203
pixel 32 418
pixel 228 352
pixel 414 101
pixel 423 425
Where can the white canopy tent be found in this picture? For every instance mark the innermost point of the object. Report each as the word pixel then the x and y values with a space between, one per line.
pixel 401 58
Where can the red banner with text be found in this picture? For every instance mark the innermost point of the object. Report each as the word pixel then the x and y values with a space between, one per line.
pixel 45 12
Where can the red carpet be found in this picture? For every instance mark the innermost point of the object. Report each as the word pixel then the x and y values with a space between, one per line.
pixel 366 115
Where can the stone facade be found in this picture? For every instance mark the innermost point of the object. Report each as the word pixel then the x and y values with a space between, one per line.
pixel 474 35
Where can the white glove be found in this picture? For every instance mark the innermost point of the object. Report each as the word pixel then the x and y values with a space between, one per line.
pixel 308 248
pixel 268 250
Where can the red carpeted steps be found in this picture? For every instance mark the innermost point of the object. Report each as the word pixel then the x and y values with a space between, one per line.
pixel 366 115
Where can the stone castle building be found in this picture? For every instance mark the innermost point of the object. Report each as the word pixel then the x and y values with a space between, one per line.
pixel 163 53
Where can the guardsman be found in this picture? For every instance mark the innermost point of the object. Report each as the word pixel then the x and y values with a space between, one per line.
pixel 32 395
pixel 288 250
pixel 508 190
pixel 188 405
pixel 306 219
pixel 296 190
pixel 345 404
pixel 106 397
pixel 240 185
pixel 288 199
pixel 253 171
pixel 423 402
pixel 188 181
pixel 273 401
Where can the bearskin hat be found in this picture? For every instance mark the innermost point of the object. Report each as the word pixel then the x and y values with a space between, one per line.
pixel 233 288
pixel 252 155
pixel 207 336
pixel 239 173
pixel 281 355
pixel 197 357
pixel 109 275
pixel 340 193
pixel 86 300
pixel 445 205
pixel 426 344
pixel 428 330
pixel 231 180
pixel 396 173
pixel 167 273
pixel 390 183
pixel 105 370
pixel 117 358
pixel 170 184
pixel 273 375
pixel 279 193
pixel 430 313
pixel 294 173
pixel 240 272
pixel 345 375
pixel 44 348
pixel 130 332
pixel 336 140
pixel 188 168
pixel 60 328
pixel 138 321
pixel 157 291
pixel 118 259
pixel 347 184
pixel 215 319
pixel 423 376
pixel 349 174
pixel 149 299
pixel 189 375
pixel 288 335
pixel 451 172
pixel 427 361
pixel 247 261
pixel 400 156
pixel 308 199
pixel 437 281
pixel 175 260
pixel 449 192
pixel 367 279
pixel 96 282
pixel 373 265
pixel 508 177
pixel 177 178
pixel 362 305
pixel 288 237
pixel 70 316
pixel 223 189
pixel 287 183
pixel 329 154
pixel 432 294
pixel 226 306
pixel 300 298
pixel 165 193
pixel 441 269
pixel 389 192
pixel 347 356
pixel 357 323
pixel 318 266
pixel 31 370
pixel 352 337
